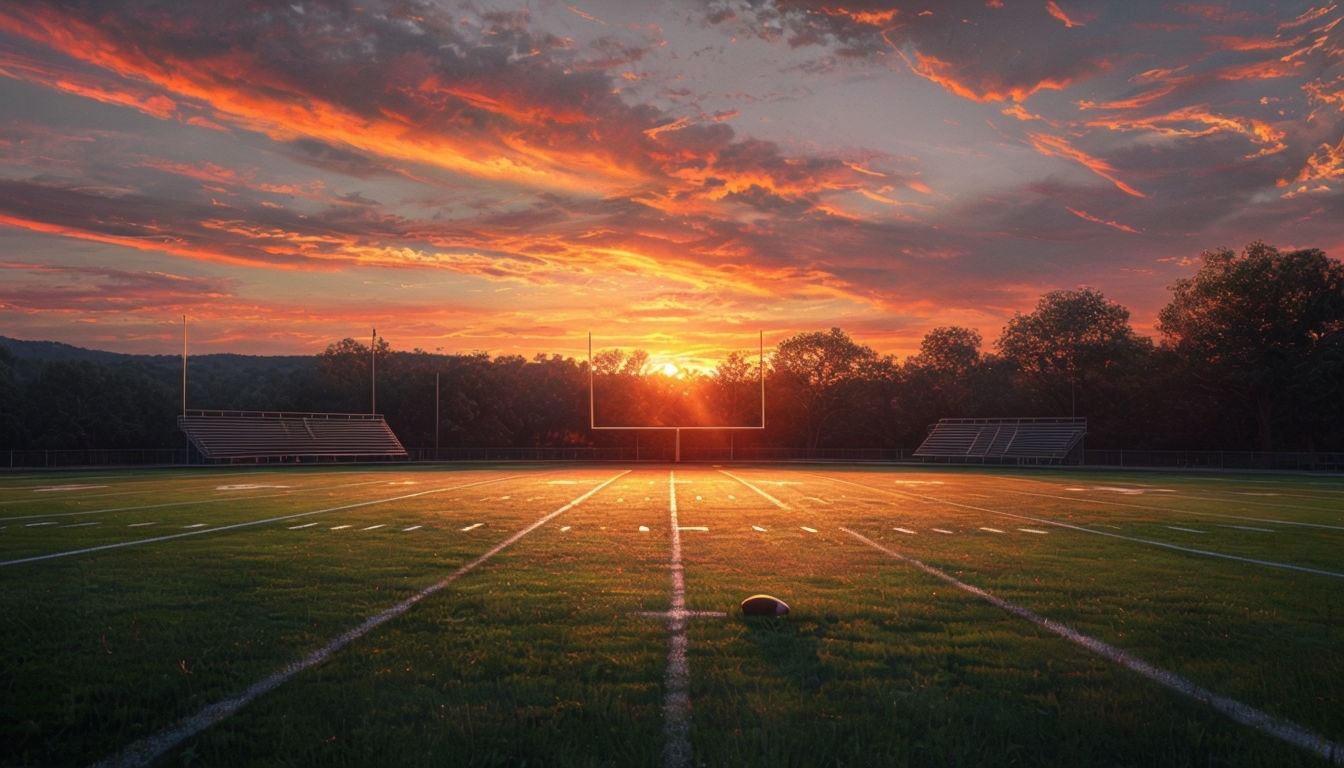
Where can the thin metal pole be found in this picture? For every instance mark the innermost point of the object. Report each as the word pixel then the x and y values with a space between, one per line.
pixel 184 365
pixel 760 369
pixel 436 415
pixel 373 374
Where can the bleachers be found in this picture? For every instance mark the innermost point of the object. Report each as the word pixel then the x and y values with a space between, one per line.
pixel 1004 441
pixel 279 436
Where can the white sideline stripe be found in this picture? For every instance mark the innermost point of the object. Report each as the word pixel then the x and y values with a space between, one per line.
pixel 1242 713
pixel 148 749
pixel 1271 520
pixel 677 678
pixel 248 524
pixel 763 494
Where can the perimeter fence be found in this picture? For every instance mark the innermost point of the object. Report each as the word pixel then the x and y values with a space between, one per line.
pixel 1280 461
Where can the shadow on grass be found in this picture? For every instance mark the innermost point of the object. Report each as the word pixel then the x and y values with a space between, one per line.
pixel 790 646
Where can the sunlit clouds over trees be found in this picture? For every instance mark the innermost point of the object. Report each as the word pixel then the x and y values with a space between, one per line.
pixel 503 177
pixel 1251 358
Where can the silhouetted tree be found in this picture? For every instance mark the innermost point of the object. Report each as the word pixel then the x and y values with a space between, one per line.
pixel 826 385
pixel 1076 345
pixel 345 375
pixel 1260 328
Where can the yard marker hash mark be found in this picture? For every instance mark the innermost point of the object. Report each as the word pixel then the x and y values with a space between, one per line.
pixel 1241 713
pixel 150 748
pixel 1135 539
pixel 246 524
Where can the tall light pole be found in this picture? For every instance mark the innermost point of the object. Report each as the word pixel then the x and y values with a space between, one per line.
pixel 184 365
pixel 373 374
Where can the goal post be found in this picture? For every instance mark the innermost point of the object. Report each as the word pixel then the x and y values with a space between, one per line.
pixel 674 428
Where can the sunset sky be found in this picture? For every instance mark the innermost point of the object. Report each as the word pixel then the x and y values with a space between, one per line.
pixel 508 176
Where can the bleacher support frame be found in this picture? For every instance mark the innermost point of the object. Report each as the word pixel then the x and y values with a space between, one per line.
pixel 282 436
pixel 1028 440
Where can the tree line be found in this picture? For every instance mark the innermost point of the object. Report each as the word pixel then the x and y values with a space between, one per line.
pixel 1250 357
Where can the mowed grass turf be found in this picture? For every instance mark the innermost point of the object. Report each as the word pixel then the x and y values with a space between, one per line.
pixel 133 600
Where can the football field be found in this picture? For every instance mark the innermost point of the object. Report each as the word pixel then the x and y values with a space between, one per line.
pixel 588 615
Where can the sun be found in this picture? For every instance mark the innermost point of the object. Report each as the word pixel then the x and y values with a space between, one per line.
pixel 670 370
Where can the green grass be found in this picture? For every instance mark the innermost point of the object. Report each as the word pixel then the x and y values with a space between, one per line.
pixel 544 653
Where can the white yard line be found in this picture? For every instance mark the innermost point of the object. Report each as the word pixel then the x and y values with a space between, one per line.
pixel 1220 515
pixel 189 503
pixel 248 524
pixel 1137 540
pixel 677 679
pixel 1095 532
pixel 1241 713
pixel 763 494
pixel 150 748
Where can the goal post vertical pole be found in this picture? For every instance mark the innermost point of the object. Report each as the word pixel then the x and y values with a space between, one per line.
pixel 592 422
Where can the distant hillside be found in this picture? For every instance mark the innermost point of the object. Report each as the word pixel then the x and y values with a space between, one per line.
pixel 55 351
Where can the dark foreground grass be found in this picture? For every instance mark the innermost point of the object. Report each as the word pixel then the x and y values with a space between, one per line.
pixel 550 652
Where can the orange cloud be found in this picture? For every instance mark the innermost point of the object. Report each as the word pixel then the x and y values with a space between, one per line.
pixel 1196 121
pixel 1112 224
pixel 1053 9
pixel 951 79
pixel 231 88
pixel 1056 146
pixel 1325 164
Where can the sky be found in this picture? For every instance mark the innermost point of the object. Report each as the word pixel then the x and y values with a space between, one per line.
pixel 685 177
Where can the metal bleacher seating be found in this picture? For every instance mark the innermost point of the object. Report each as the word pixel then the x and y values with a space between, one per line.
pixel 278 436
pixel 1004 441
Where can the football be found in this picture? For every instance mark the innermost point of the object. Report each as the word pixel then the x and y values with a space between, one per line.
pixel 764 605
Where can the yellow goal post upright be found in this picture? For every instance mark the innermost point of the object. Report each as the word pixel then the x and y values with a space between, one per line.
pixel 676 429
